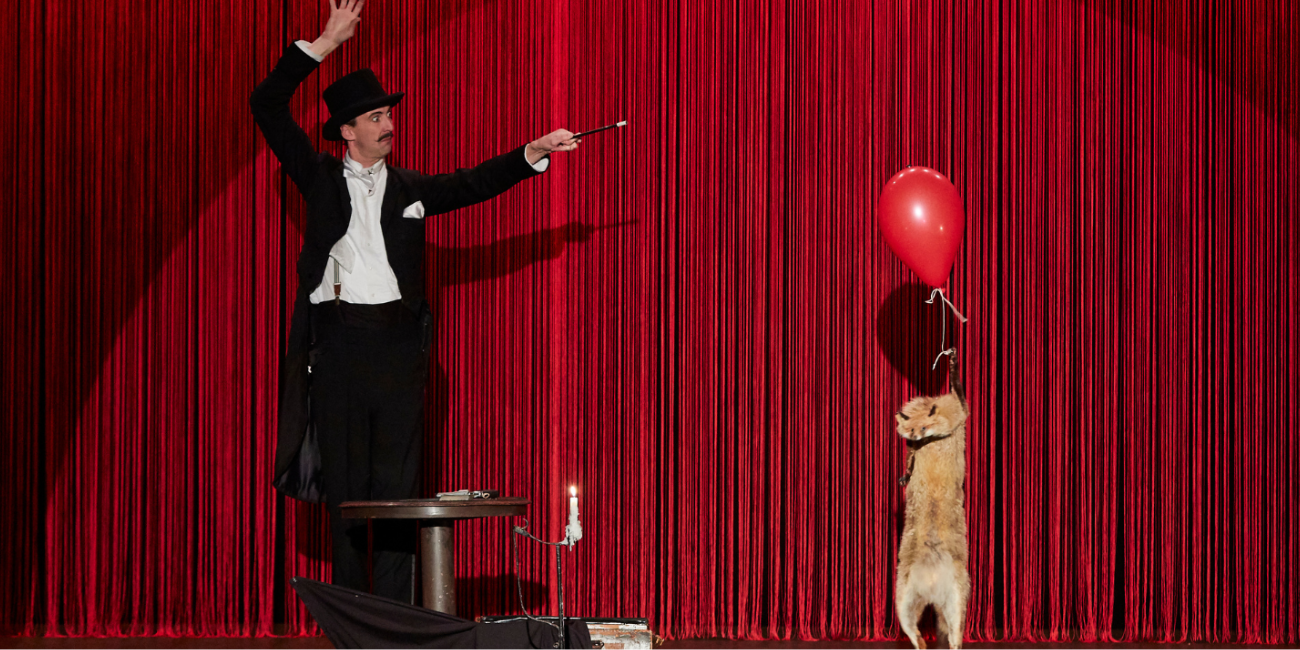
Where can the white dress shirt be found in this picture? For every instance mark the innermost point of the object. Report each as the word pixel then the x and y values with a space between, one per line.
pixel 358 262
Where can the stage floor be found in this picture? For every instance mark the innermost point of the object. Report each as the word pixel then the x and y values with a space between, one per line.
pixel 712 644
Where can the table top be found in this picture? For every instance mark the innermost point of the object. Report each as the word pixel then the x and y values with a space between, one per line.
pixel 434 509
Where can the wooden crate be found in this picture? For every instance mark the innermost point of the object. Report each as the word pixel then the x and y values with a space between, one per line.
pixel 620 633
pixel 606 633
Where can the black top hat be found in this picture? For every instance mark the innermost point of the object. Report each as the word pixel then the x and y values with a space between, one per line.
pixel 352 95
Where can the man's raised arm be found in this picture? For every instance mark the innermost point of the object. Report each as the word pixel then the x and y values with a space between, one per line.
pixel 342 25
pixel 270 100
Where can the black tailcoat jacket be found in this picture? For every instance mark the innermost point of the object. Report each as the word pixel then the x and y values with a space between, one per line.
pixel 319 177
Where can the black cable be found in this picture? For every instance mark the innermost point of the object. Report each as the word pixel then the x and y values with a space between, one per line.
pixel 514 555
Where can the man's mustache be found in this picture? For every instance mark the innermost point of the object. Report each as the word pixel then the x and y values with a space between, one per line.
pixel 386 136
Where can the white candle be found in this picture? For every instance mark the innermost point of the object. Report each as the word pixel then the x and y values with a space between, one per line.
pixel 573 532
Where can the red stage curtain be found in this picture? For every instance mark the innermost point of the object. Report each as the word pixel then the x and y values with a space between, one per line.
pixel 719 378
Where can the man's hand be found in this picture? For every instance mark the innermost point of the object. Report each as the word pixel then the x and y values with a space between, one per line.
pixel 345 15
pixel 557 140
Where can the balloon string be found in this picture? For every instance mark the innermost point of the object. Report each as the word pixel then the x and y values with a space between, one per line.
pixel 949 351
pixel 939 292
pixel 943 323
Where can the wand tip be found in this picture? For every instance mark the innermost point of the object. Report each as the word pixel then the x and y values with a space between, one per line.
pixel 623 123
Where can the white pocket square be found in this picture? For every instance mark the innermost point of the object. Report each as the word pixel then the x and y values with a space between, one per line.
pixel 414 210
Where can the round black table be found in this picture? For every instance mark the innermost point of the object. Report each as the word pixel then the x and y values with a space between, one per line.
pixel 437 519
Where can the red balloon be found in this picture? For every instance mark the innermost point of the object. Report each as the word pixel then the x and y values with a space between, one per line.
pixel 921 218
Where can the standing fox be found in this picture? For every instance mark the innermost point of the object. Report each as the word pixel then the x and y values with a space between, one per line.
pixel 932 554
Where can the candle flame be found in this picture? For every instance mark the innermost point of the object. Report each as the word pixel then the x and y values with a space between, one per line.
pixel 573 491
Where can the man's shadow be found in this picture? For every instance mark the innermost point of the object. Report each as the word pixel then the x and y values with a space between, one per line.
pixel 458 266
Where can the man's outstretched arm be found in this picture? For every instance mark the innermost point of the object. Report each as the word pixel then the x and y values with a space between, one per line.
pixel 270 100
pixel 465 187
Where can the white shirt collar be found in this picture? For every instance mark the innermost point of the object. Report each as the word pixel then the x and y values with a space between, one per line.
pixel 356 167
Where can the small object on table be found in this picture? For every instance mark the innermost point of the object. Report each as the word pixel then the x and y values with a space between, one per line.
pixel 466 495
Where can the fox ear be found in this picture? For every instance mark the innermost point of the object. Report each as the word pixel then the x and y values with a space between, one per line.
pixel 899 414
pixel 933 409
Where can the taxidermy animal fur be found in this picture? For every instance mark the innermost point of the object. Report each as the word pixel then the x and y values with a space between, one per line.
pixel 932 554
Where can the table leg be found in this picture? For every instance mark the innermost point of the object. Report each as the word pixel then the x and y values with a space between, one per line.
pixel 438 568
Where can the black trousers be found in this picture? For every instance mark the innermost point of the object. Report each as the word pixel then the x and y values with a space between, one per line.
pixel 368 376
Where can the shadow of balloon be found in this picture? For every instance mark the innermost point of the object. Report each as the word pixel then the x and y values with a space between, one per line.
pixel 909 333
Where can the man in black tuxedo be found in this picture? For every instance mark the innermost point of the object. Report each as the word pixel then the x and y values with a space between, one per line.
pixel 353 377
